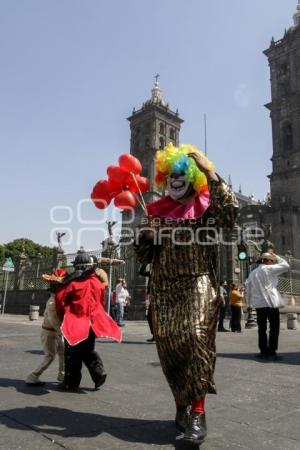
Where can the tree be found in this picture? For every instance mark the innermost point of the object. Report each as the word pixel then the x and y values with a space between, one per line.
pixel 2 254
pixel 28 247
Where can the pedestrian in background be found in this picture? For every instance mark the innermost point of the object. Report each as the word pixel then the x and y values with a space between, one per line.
pixel 146 272
pixel 223 306
pixel 122 298
pixel 262 294
pixel 236 303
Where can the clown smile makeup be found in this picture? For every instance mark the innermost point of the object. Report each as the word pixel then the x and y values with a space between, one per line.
pixel 177 186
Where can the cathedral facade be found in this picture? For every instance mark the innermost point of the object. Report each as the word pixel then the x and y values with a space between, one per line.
pixel 284 61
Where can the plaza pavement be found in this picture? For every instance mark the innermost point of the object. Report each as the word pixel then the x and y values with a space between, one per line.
pixel 257 406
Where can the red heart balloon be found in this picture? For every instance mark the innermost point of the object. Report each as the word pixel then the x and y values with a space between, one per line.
pixel 101 195
pixel 118 184
pixel 129 163
pixel 101 187
pixel 142 182
pixel 125 200
pixel 101 202
pixel 116 173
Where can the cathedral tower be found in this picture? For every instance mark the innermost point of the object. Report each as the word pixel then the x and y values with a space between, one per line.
pixel 284 61
pixel 152 127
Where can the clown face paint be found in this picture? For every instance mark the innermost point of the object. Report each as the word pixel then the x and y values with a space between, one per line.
pixel 177 186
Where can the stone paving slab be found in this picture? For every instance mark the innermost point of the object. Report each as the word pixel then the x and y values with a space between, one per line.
pixel 257 406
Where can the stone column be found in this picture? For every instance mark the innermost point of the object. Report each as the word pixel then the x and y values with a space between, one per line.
pixel 58 257
pixel 20 266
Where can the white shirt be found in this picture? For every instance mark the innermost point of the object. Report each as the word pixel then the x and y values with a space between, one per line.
pixel 121 293
pixel 261 285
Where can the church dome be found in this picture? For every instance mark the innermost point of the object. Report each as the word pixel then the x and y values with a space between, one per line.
pixel 156 97
pixel 296 16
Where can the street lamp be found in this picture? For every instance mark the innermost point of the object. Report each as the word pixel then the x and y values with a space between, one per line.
pixel 38 257
pixel 109 246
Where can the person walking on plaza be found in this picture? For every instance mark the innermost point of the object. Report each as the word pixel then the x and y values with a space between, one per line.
pixel 223 306
pixel 146 272
pixel 51 337
pixel 178 237
pixel 122 297
pixel 80 303
pixel 236 304
pixel 262 294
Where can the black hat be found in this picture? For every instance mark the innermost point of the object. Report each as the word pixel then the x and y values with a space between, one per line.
pixel 94 260
pixel 82 259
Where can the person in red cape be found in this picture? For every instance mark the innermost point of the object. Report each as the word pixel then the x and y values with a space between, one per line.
pixel 179 238
pixel 79 303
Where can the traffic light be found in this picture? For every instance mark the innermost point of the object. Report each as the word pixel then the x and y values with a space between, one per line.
pixel 242 251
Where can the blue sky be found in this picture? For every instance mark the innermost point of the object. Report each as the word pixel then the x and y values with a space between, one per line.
pixel 71 71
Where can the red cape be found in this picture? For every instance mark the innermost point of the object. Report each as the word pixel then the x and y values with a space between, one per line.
pixel 79 303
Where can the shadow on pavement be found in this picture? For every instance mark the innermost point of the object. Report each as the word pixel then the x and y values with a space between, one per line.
pixel 124 341
pixel 66 423
pixel 21 386
pixel 291 358
pixel 138 342
pixel 35 352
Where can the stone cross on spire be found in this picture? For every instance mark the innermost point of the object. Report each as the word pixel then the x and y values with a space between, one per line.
pixel 296 16
pixel 156 98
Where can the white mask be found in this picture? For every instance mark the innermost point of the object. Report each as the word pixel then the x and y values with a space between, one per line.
pixel 177 186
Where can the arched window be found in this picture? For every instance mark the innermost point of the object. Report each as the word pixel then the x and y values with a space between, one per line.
pixel 287 136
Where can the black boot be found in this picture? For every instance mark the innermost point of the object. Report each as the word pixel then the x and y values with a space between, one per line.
pixel 195 431
pixel 100 380
pixel 181 419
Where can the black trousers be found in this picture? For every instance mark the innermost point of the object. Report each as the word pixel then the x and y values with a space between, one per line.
pixel 222 312
pixel 75 355
pixel 149 318
pixel 268 346
pixel 236 315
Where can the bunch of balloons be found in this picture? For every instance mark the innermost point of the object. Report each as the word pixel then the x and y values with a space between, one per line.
pixel 124 185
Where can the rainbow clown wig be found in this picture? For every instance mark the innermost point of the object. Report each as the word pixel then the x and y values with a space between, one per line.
pixel 176 160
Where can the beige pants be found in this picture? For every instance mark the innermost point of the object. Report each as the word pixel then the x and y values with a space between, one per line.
pixel 53 344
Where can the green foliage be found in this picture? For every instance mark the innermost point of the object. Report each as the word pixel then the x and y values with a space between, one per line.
pixel 29 248
pixel 2 254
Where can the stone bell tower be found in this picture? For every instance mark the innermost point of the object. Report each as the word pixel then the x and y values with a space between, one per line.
pixel 284 62
pixel 152 127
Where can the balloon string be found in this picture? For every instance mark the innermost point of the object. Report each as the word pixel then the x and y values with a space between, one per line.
pixel 141 205
pixel 141 200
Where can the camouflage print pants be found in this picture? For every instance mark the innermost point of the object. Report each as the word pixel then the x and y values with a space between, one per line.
pixel 185 316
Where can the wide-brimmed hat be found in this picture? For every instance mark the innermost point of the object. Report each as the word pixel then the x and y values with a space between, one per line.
pixel 270 256
pixel 83 260
pixel 56 277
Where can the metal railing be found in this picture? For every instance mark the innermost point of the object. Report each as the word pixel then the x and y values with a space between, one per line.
pixel 30 276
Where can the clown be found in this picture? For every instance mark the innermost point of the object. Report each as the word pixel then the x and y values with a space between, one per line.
pixel 184 279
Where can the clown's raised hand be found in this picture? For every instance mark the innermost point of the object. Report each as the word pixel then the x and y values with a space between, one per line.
pixel 202 164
